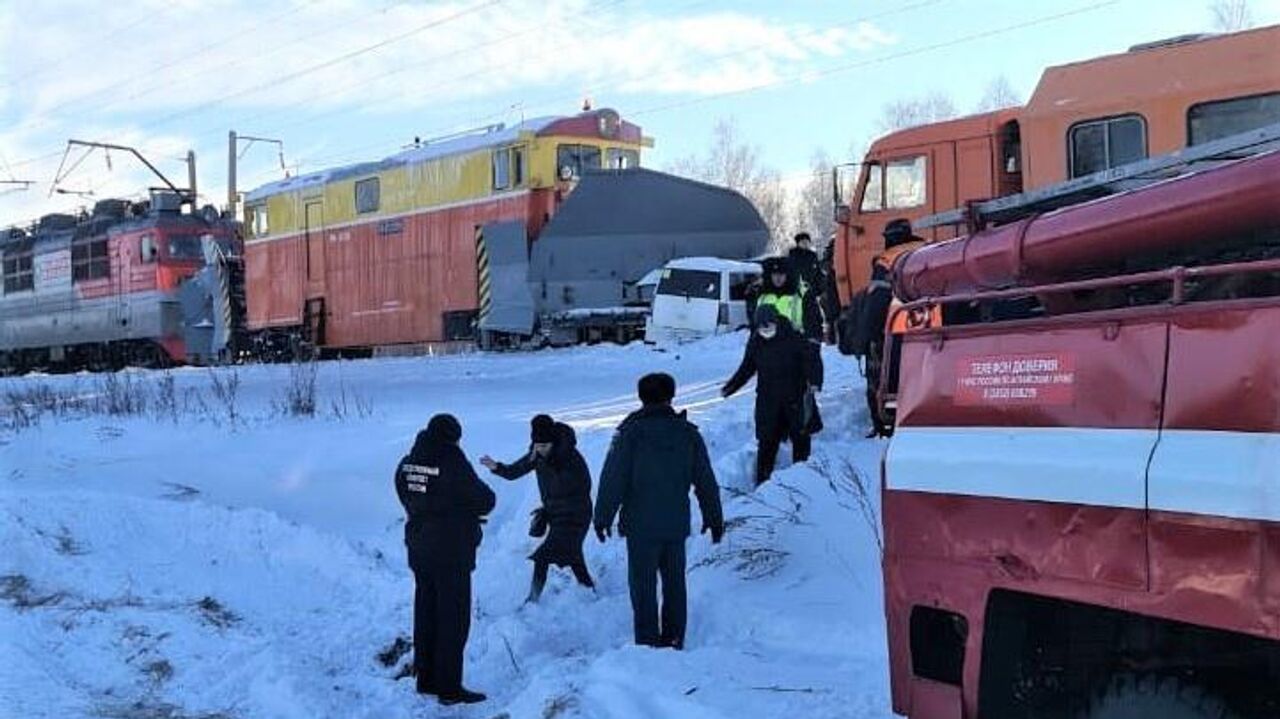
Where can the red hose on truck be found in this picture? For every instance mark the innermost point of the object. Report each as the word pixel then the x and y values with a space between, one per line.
pixel 1241 196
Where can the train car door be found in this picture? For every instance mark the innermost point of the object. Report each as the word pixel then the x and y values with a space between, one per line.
pixel 313 227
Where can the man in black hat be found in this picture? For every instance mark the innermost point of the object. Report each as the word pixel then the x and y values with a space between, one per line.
pixel 564 482
pixel 812 284
pixel 444 501
pixel 656 457
pixel 898 240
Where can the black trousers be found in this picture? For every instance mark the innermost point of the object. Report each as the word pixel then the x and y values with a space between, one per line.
pixel 647 560
pixel 772 428
pixel 441 624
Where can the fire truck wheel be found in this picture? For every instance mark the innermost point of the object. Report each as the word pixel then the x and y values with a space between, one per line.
pixel 1129 696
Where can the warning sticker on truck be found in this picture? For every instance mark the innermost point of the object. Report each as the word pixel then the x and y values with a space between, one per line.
pixel 1032 379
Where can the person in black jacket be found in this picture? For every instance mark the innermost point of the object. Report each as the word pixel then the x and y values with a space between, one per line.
pixel 656 457
pixel 564 481
pixel 813 283
pixel 788 377
pixel 444 501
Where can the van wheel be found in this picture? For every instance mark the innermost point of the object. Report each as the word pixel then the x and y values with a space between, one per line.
pixel 1129 696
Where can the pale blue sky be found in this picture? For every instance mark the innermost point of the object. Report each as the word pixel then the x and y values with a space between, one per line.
pixel 347 80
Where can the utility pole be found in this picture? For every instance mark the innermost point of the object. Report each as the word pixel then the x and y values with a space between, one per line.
pixel 234 154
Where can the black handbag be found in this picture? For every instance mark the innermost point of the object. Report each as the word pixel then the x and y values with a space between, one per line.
pixel 538 523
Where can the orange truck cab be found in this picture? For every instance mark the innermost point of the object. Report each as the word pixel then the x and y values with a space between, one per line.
pixel 1083 118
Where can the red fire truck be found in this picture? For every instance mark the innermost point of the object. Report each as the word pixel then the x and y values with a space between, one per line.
pixel 1081 501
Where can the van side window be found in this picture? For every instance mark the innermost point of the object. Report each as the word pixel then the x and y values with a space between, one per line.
pixel 1099 145
pixel 739 283
pixel 1224 118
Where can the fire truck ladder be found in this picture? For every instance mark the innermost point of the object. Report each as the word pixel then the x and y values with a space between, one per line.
pixel 980 214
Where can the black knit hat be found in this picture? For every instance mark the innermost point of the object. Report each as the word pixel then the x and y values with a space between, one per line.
pixel 897 232
pixel 444 428
pixel 656 388
pixel 542 429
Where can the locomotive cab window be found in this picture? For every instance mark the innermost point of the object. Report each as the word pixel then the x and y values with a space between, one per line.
pixel 621 159
pixel 89 259
pixel 1099 145
pixel 184 247
pixel 367 195
pixel 1224 118
pixel 571 160
pixel 147 250
pixel 18 269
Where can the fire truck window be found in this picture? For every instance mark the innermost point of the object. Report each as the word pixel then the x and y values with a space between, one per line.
pixel 904 183
pixel 1103 144
pixel 502 168
pixel 89 259
pixel 873 193
pixel 367 195
pixel 18 274
pixel 577 158
pixel 1215 120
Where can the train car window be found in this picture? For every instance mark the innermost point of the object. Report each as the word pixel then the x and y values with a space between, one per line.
pixel 1099 145
pixel 18 269
pixel 621 159
pixel 573 159
pixel 89 259
pixel 1224 118
pixel 904 183
pixel 502 168
pixel 367 195
pixel 258 221
pixel 517 166
pixel 147 250
pixel 873 191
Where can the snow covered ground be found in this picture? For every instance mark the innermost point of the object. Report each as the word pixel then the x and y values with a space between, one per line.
pixel 185 563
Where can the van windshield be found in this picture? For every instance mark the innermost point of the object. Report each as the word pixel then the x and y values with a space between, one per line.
pixel 699 284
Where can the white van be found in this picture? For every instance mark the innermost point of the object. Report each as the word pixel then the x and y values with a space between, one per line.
pixel 699 296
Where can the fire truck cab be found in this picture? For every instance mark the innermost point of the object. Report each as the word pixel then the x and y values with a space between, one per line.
pixel 1081 500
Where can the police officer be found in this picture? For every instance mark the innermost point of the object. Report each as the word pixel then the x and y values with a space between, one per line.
pixel 656 457
pixel 787 373
pixel 783 289
pixel 444 501
pixel 898 240
pixel 812 283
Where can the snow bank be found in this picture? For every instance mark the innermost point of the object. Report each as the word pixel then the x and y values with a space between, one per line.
pixel 203 568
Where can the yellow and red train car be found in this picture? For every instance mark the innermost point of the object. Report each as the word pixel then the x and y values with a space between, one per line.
pixel 385 253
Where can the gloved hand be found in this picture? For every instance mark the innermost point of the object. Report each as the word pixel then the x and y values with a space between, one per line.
pixel 603 532
pixel 717 532
pixel 724 392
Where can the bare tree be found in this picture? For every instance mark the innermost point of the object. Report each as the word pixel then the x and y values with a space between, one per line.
pixel 734 163
pixel 998 95
pixel 815 207
pixel 1231 15
pixel 901 114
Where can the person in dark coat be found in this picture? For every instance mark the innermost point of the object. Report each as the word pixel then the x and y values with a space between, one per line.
pixel 830 299
pixel 812 283
pixel 564 481
pixel 788 375
pixel 898 240
pixel 445 502
pixel 656 457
